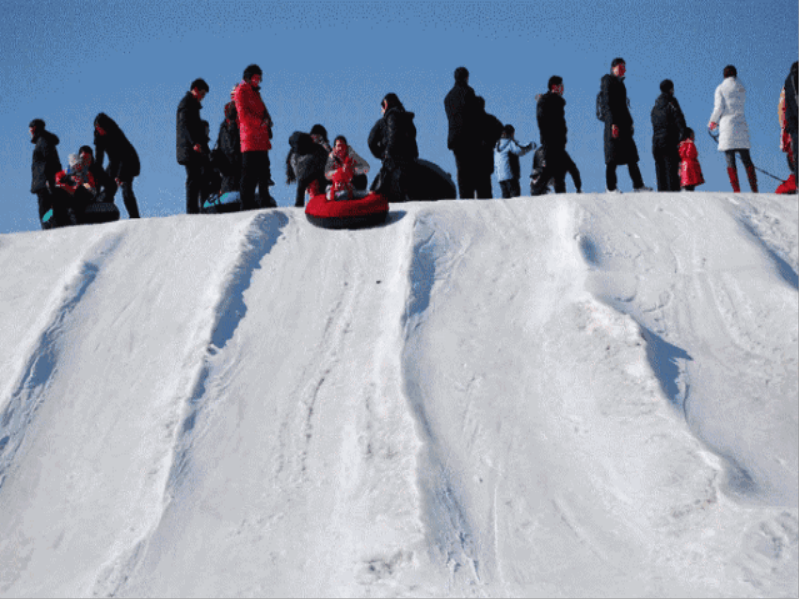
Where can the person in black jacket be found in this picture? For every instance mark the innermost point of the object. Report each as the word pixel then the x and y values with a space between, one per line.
pixel 553 137
pixel 192 143
pixel 393 140
pixel 227 154
pixel 790 99
pixel 669 126
pixel 44 167
pixel 123 162
pixel 463 132
pixel 490 128
pixel 305 163
pixel 620 149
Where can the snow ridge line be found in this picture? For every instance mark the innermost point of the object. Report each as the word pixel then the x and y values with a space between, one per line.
pixel 259 237
pixel 30 387
pixel 447 520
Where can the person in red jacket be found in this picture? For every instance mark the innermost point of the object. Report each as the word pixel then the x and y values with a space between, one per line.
pixel 691 174
pixel 255 130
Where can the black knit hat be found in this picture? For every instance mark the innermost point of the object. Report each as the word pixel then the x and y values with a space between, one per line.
pixel 666 86
pixel 37 123
pixel 617 61
pixel 250 71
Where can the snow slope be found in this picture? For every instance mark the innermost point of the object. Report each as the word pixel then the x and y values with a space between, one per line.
pixel 578 395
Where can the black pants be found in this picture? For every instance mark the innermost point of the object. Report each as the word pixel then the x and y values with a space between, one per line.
pixel 555 166
pixel 633 169
pixel 668 163
pixel 128 197
pixel 510 188
pixel 61 203
pixel 467 165
pixel 483 186
pixel 194 187
pixel 744 155
pixel 255 172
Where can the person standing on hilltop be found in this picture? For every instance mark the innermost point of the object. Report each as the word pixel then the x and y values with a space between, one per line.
pixel 191 143
pixel 463 132
pixel 669 126
pixel 45 166
pixel 734 135
pixel 255 132
pixel 620 149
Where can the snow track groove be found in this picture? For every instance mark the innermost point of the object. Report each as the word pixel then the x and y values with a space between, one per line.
pixel 29 389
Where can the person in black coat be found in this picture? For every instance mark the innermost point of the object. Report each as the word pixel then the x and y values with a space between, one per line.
pixel 620 149
pixel 490 128
pixel 669 126
pixel 553 137
pixel 227 154
pixel 44 167
pixel 393 140
pixel 790 100
pixel 192 144
pixel 463 132
pixel 305 163
pixel 123 162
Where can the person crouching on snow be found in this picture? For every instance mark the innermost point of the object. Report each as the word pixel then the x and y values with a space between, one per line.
pixel 344 164
pixel 79 183
pixel 691 174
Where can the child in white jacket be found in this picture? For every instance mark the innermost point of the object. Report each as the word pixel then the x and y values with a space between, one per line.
pixel 506 162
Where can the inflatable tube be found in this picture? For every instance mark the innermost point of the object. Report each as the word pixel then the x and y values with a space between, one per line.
pixel 218 205
pixel 431 182
pixel 100 212
pixel 347 214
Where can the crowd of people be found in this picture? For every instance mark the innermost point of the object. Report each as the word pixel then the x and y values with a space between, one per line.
pixel 481 144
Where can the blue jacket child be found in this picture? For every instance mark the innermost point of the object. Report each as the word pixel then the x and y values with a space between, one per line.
pixel 506 162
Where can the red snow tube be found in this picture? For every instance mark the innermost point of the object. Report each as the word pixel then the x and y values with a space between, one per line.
pixel 347 214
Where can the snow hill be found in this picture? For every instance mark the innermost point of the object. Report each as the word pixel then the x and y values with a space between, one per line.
pixel 577 395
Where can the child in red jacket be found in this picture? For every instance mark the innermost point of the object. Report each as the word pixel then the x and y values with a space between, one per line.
pixel 691 174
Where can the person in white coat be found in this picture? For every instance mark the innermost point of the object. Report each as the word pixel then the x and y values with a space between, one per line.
pixel 734 135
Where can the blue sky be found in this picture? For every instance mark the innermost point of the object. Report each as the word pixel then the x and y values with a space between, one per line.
pixel 332 62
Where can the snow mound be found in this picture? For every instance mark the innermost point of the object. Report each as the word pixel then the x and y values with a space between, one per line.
pixel 577 395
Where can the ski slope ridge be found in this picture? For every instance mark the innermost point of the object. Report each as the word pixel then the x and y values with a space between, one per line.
pixel 566 396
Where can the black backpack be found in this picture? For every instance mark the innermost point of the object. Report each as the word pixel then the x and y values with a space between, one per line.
pixel 600 107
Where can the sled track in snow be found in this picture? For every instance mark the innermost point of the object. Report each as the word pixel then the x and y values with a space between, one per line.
pixel 29 391
pixel 445 515
pixel 261 236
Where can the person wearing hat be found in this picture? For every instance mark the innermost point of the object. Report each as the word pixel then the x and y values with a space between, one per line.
pixel 255 131
pixel 669 126
pixel 44 167
pixel 192 143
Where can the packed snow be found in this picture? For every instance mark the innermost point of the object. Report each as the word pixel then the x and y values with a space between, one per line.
pixel 566 396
